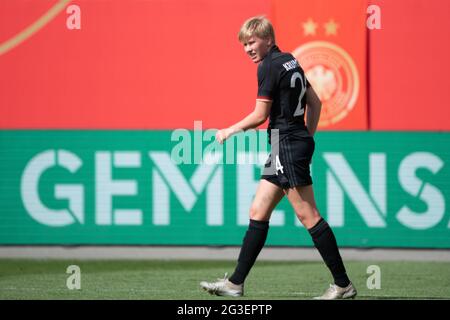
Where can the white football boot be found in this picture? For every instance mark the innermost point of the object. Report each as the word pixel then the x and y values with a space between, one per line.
pixel 223 287
pixel 335 292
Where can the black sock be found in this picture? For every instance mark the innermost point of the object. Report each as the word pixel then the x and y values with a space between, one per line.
pixel 325 242
pixel 253 243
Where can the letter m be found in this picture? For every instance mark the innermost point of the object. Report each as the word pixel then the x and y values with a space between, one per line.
pixel 167 176
pixel 341 178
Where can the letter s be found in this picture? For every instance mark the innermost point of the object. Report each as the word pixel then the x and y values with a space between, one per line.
pixel 428 193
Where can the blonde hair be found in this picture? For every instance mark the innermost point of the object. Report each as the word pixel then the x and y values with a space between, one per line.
pixel 258 26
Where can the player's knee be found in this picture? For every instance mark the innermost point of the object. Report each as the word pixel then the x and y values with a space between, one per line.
pixel 253 212
pixel 256 213
pixel 305 211
pixel 304 219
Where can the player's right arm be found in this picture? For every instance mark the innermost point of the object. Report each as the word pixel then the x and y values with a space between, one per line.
pixel 253 120
pixel 314 106
pixel 266 87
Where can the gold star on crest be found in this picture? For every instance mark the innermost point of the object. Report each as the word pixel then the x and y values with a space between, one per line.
pixel 331 27
pixel 309 27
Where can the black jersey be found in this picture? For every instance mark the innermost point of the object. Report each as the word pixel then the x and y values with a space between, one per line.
pixel 282 80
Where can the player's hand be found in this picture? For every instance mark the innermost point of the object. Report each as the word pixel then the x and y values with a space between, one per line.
pixel 224 134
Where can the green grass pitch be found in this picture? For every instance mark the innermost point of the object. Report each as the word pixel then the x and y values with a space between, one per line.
pixel 179 280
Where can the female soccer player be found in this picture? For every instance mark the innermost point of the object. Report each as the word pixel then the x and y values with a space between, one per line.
pixel 284 95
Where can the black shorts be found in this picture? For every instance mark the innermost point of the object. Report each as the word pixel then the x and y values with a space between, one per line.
pixel 290 167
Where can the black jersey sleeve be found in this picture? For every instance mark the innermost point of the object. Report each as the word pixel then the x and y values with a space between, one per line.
pixel 266 80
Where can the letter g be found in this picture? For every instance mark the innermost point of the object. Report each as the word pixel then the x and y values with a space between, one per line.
pixel 73 192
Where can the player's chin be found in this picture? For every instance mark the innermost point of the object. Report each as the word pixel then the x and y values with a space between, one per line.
pixel 255 59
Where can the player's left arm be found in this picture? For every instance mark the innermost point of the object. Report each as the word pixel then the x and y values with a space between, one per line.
pixel 313 111
pixel 257 117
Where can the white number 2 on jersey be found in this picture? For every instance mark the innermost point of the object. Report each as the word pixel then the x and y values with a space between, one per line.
pixel 299 110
